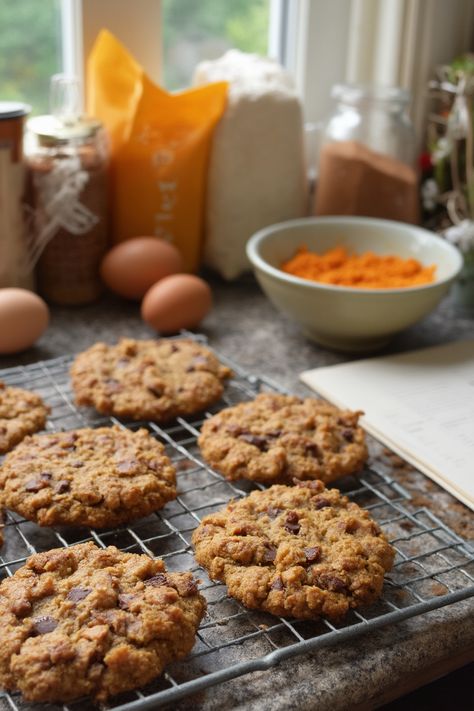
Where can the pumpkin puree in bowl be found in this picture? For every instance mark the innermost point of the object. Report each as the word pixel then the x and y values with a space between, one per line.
pixel 366 271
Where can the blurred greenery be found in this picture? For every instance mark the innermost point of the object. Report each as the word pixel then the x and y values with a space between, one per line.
pixel 30 50
pixel 30 41
pixel 194 30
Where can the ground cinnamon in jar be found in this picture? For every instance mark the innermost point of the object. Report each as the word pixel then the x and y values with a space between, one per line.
pixel 355 180
pixel 365 271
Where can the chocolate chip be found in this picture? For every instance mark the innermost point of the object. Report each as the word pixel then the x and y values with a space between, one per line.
pixel 351 525
pixel 291 523
pixel 312 554
pixel 128 466
pixel 312 449
pixel 35 485
pixel 233 429
pixel 331 582
pixel 155 390
pixel 46 476
pixel 348 435
pixel 76 594
pixel 157 580
pixel 124 600
pixel 269 554
pixel 43 625
pixel 62 486
pixel 273 433
pixel 174 348
pixel 77 464
pixel 319 502
pixel 277 584
pixel 21 607
pixel 260 442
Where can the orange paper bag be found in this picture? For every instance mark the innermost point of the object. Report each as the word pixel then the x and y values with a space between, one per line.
pixel 160 145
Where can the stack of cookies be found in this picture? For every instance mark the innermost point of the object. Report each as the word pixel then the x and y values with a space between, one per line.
pixel 89 621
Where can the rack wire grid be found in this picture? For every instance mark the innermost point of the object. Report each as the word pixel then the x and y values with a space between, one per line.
pixel 434 567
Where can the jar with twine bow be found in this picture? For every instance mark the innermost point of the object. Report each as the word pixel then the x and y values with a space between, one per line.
pixel 67 164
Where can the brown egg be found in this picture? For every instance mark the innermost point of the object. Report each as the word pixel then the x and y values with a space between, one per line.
pixel 24 316
pixel 175 302
pixel 132 267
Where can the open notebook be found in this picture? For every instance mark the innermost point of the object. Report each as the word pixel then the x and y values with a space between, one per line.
pixel 420 404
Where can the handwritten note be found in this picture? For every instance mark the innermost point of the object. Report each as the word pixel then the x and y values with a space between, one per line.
pixel 421 404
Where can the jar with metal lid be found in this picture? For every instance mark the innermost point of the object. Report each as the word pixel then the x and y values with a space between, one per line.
pixel 367 163
pixel 15 266
pixel 67 162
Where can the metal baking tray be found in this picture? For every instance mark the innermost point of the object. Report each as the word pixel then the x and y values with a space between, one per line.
pixel 434 567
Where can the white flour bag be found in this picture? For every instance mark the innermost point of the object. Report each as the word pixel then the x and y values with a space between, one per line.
pixel 256 172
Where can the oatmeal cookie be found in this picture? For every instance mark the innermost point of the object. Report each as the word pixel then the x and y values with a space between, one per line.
pixel 88 477
pixel 278 438
pixel 21 414
pixel 148 380
pixel 295 551
pixel 90 621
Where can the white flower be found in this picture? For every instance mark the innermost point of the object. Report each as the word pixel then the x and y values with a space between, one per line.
pixel 429 194
pixel 461 235
pixel 441 150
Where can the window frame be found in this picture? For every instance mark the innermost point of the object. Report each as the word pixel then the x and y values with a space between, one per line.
pixel 321 43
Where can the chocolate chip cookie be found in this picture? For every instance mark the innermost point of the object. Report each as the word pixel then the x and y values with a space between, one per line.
pixel 148 380
pixel 90 621
pixel 87 477
pixel 295 551
pixel 21 414
pixel 277 438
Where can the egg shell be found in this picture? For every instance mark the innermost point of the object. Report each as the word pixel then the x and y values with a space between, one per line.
pixel 24 316
pixel 175 302
pixel 132 267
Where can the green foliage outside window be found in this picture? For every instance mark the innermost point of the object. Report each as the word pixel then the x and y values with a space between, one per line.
pixel 30 50
pixel 30 41
pixel 204 29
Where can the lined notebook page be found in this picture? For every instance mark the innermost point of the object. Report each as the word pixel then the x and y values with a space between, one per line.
pixel 420 404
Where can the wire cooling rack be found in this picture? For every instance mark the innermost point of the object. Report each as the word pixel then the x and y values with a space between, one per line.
pixel 433 567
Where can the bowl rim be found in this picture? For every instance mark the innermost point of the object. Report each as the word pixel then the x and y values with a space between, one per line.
pixel 257 261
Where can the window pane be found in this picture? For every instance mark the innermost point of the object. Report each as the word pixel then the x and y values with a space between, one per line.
pixel 30 50
pixel 204 29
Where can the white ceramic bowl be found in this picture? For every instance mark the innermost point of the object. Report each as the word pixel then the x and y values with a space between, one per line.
pixel 347 318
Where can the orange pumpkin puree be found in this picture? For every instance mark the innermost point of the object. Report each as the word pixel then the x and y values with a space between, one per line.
pixel 366 271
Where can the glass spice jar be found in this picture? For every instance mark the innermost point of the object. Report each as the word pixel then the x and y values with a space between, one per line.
pixel 367 163
pixel 67 163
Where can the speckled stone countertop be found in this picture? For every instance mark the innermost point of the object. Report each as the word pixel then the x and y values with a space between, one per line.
pixel 363 673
